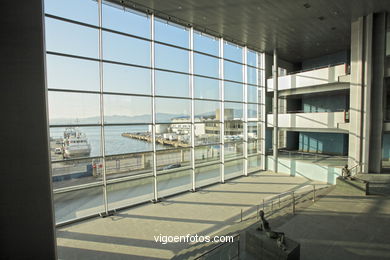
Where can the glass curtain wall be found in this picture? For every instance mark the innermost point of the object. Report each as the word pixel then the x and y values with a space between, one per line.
pixel 141 108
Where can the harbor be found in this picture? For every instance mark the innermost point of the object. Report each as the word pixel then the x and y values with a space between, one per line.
pixel 160 140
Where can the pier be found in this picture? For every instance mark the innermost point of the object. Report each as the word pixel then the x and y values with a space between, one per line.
pixel 163 141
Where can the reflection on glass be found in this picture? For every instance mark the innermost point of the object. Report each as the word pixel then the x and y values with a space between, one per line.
pixel 172 84
pixel 253 129
pixel 171 33
pixel 165 111
pixel 251 58
pixel 127 109
pixel 126 49
pixel 206 65
pixel 130 192
pixel 174 182
pixel 253 94
pixel 72 74
pixel 386 151
pixel 82 11
pixel 207 175
pixel 73 108
pixel 171 58
pixel 233 91
pixel 206 88
pixel 233 131
pixel 207 110
pixel 232 71
pixel 126 79
pixel 233 111
pixel 207 133
pixel 128 165
pixel 172 159
pixel 252 111
pixel 253 146
pixel 173 135
pixel 232 52
pixel 74 142
pixel 71 38
pixel 233 150
pixel 254 163
pixel 76 204
pixel 207 153
pixel 206 43
pixel 234 168
pixel 125 20
pixel 252 75
pixel 127 139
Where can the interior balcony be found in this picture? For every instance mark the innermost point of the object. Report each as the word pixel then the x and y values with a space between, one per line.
pixel 336 122
pixel 330 78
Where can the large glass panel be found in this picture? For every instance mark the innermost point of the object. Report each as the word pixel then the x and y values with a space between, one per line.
pixel 233 131
pixel 207 133
pixel 207 175
pixel 253 129
pixel 76 172
pixel 130 192
pixel 73 108
pixel 253 146
pixel 206 65
pixel 232 71
pixel 206 43
pixel 252 75
pixel 71 38
pixel 171 33
pixel 233 150
pixel 170 108
pixel 126 79
pixel 172 84
pixel 233 111
pixel 72 74
pixel 386 151
pixel 207 110
pixel 252 111
pixel 128 165
pixel 74 142
pixel 125 20
pixel 234 168
pixel 76 204
pixel 126 49
pixel 127 109
pixel 254 163
pixel 233 91
pixel 175 134
pixel 172 159
pixel 171 58
pixel 127 139
pixel 207 153
pixel 85 11
pixel 232 52
pixel 253 93
pixel 174 182
pixel 251 58
pixel 206 88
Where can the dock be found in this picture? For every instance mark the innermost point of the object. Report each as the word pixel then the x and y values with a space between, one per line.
pixel 163 141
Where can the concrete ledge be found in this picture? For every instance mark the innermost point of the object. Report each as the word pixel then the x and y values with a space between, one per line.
pixel 355 186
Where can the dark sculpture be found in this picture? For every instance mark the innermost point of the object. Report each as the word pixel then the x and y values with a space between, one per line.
pixel 279 236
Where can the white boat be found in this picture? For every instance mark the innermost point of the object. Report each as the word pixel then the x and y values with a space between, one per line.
pixel 75 143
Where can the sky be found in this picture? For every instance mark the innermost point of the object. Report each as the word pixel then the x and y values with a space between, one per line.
pixel 78 74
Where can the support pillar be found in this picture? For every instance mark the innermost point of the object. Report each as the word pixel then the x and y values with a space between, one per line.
pixel 275 112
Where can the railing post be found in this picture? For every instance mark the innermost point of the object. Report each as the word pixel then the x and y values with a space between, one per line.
pixel 314 192
pixel 257 212
pixel 263 204
pixel 279 201
pixel 241 215
pixel 293 203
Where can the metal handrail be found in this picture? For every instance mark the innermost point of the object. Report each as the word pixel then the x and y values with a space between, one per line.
pixel 315 68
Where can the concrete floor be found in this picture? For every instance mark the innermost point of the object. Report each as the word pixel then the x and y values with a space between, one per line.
pixel 129 234
pixel 342 225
